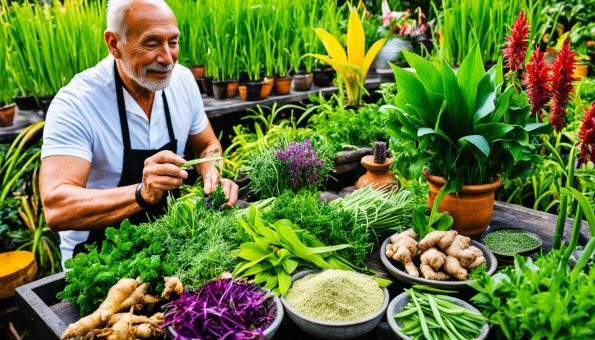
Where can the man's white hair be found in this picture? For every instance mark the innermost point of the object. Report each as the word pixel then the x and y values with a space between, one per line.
pixel 117 11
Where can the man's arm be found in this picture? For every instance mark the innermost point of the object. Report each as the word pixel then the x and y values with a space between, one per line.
pixel 69 205
pixel 205 144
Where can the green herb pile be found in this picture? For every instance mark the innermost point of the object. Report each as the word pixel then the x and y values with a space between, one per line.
pixel 436 316
pixel 510 242
pixel 275 251
pixel 126 252
pixel 325 222
pixel 192 242
pixel 545 299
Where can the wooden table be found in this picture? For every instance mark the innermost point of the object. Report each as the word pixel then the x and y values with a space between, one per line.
pixel 48 317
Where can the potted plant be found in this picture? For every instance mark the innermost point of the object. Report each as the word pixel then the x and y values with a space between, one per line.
pixel 471 130
pixel 351 64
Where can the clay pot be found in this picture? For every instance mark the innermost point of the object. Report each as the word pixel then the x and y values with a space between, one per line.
pixel 378 175
pixel 323 77
pixel 471 208
pixel 253 89
pixel 198 71
pixel 242 91
pixel 282 85
pixel 220 89
pixel 26 103
pixel 232 88
pixel 581 71
pixel 302 82
pixel 7 114
pixel 267 86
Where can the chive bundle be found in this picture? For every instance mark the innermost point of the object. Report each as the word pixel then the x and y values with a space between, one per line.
pixel 438 317
pixel 510 242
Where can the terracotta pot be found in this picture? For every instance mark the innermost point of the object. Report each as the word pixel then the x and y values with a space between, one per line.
pixel 267 86
pixel 302 82
pixel 232 88
pixel 198 71
pixel 7 115
pixel 242 90
pixel 220 89
pixel 378 175
pixel 282 85
pixel 18 268
pixel 581 71
pixel 471 208
pixel 270 79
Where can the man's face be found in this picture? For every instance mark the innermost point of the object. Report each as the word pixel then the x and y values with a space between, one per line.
pixel 151 50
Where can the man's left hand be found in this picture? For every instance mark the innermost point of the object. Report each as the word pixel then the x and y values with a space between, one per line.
pixel 231 190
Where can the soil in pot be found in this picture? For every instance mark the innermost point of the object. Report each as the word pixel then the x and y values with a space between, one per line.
pixel 323 77
pixel 232 88
pixel 302 82
pixel 253 90
pixel 220 89
pixel 282 85
pixel 26 103
pixel 7 114
pixel 471 208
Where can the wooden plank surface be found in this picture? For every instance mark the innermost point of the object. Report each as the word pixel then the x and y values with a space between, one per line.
pixel 22 119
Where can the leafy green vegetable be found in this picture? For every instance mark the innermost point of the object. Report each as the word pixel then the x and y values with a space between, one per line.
pixel 325 222
pixel 539 300
pixel 216 199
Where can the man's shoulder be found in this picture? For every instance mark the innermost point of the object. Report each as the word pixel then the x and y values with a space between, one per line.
pixel 89 83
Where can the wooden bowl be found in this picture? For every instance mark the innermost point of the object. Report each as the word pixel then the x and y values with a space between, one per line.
pixel 396 269
pixel 18 268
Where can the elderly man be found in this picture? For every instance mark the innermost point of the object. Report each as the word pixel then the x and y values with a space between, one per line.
pixel 115 135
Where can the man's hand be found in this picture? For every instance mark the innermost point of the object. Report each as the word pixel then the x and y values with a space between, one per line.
pixel 231 190
pixel 161 173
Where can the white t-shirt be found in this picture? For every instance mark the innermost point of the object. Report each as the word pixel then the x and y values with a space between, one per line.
pixel 83 121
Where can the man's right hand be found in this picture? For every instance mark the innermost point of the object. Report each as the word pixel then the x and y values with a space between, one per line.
pixel 161 173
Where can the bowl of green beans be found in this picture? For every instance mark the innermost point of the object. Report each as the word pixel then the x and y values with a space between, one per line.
pixel 506 242
pixel 425 312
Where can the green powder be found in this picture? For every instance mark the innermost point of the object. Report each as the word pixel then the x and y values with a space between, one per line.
pixel 510 242
pixel 336 295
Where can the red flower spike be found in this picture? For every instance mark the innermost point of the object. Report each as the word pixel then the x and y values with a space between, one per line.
pixel 562 79
pixel 516 44
pixel 587 136
pixel 537 79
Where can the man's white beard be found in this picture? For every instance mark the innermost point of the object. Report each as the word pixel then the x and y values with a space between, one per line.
pixel 142 79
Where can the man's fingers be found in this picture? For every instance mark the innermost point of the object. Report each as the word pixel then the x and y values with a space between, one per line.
pixel 231 191
pixel 211 179
pixel 165 183
pixel 166 169
pixel 165 156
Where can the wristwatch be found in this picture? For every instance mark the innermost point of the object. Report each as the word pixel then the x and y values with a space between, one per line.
pixel 139 198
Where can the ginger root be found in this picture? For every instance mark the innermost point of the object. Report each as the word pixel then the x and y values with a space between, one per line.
pixel 173 285
pixel 403 249
pixel 479 258
pixel 442 239
pixel 453 267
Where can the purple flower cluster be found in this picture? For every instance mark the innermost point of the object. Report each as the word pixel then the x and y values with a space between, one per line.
pixel 302 162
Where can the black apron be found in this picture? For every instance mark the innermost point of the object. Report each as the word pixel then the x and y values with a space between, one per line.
pixel 132 167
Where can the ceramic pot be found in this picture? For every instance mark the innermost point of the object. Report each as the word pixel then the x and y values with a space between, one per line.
pixel 44 102
pixel 267 86
pixel 392 51
pixel 378 175
pixel 207 85
pixel 323 77
pixel 220 89
pixel 581 71
pixel 18 268
pixel 26 103
pixel 302 82
pixel 471 208
pixel 282 85
pixel 198 71
pixel 7 114
pixel 253 90
pixel 232 88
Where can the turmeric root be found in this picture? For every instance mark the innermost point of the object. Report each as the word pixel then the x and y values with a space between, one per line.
pixel 405 248
pixel 115 296
pixel 453 267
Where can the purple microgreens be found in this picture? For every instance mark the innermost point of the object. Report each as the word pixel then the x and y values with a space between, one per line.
pixel 222 309
pixel 302 162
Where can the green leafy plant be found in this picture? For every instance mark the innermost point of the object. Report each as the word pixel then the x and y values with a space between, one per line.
pixel 276 251
pixel 467 127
